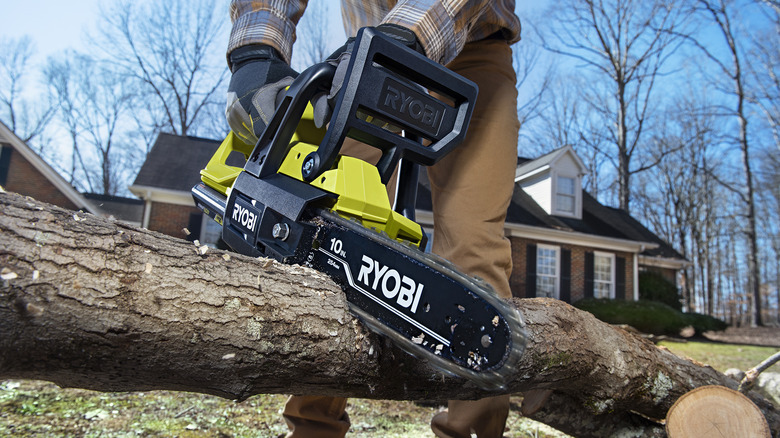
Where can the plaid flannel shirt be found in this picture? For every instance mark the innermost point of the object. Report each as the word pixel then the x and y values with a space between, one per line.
pixel 442 26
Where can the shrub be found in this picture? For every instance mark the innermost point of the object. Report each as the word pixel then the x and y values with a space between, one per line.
pixel 649 317
pixel 646 316
pixel 654 287
pixel 704 323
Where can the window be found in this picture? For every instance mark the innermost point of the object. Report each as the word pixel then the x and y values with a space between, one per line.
pixel 211 232
pixel 547 271
pixel 565 199
pixel 603 275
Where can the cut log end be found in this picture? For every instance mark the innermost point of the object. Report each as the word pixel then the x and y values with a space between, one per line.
pixel 715 411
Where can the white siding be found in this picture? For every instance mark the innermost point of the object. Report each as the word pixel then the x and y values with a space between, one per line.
pixel 540 189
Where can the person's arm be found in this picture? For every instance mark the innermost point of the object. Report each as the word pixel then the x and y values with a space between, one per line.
pixel 443 27
pixel 258 56
pixel 265 22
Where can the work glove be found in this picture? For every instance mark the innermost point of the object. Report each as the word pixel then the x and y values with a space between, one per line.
pixel 324 103
pixel 260 77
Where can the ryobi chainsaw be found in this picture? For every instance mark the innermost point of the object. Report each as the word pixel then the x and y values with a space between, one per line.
pixel 298 201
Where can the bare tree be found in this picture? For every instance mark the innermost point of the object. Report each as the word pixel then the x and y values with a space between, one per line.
pixel 731 69
pixel 530 83
pixel 765 69
pixel 25 116
pixel 676 196
pixel 774 4
pixel 770 182
pixel 564 119
pixel 58 75
pixel 171 52
pixel 626 43
pixel 94 108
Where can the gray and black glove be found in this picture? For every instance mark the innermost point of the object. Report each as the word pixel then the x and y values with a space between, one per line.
pixel 260 77
pixel 323 104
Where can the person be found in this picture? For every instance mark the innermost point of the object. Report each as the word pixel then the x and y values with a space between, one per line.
pixel 471 187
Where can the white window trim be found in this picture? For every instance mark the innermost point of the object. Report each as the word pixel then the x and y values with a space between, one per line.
pixel 577 214
pixel 557 250
pixel 612 285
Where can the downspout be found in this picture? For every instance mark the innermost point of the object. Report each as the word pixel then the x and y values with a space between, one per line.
pixel 636 272
pixel 147 210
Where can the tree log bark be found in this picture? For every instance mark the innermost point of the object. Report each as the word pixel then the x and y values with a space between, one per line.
pixel 91 303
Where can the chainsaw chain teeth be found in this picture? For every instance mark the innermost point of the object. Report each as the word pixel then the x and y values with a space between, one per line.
pixel 494 377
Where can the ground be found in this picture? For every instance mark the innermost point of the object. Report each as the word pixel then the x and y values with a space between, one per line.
pixel 40 409
pixel 764 336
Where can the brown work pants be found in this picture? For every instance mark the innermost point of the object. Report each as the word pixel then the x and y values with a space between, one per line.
pixel 471 188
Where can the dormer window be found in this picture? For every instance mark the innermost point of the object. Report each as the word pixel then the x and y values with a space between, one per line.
pixel 554 181
pixel 565 197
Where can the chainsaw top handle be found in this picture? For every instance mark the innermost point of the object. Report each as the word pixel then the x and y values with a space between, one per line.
pixel 274 143
pixel 386 93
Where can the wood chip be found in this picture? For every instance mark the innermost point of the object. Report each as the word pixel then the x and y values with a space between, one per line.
pixel 8 274
pixel 34 310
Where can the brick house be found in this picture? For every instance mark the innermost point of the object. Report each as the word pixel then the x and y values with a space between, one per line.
pixel 164 182
pixel 565 244
pixel 23 171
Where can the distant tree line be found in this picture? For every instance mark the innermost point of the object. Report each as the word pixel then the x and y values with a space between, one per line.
pixel 672 104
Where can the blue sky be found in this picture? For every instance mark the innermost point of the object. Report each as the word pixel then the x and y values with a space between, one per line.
pixel 56 25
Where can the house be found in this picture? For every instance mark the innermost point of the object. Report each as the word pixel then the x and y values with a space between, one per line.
pixel 171 168
pixel 23 171
pixel 119 208
pixel 565 244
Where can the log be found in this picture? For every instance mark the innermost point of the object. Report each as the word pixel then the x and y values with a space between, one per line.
pixel 715 411
pixel 91 303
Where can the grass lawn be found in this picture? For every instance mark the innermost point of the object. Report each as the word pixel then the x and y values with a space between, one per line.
pixel 723 356
pixel 40 409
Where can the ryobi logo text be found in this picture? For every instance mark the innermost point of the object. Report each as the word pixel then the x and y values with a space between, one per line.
pixel 244 216
pixel 393 285
pixel 420 110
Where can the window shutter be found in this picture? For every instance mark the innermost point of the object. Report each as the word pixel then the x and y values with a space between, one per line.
pixel 530 271
pixel 620 278
pixel 565 292
pixel 588 275
pixel 5 163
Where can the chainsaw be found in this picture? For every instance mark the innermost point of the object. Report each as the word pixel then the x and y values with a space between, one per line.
pixel 297 200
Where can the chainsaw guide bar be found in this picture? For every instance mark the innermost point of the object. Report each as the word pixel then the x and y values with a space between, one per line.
pixel 421 302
